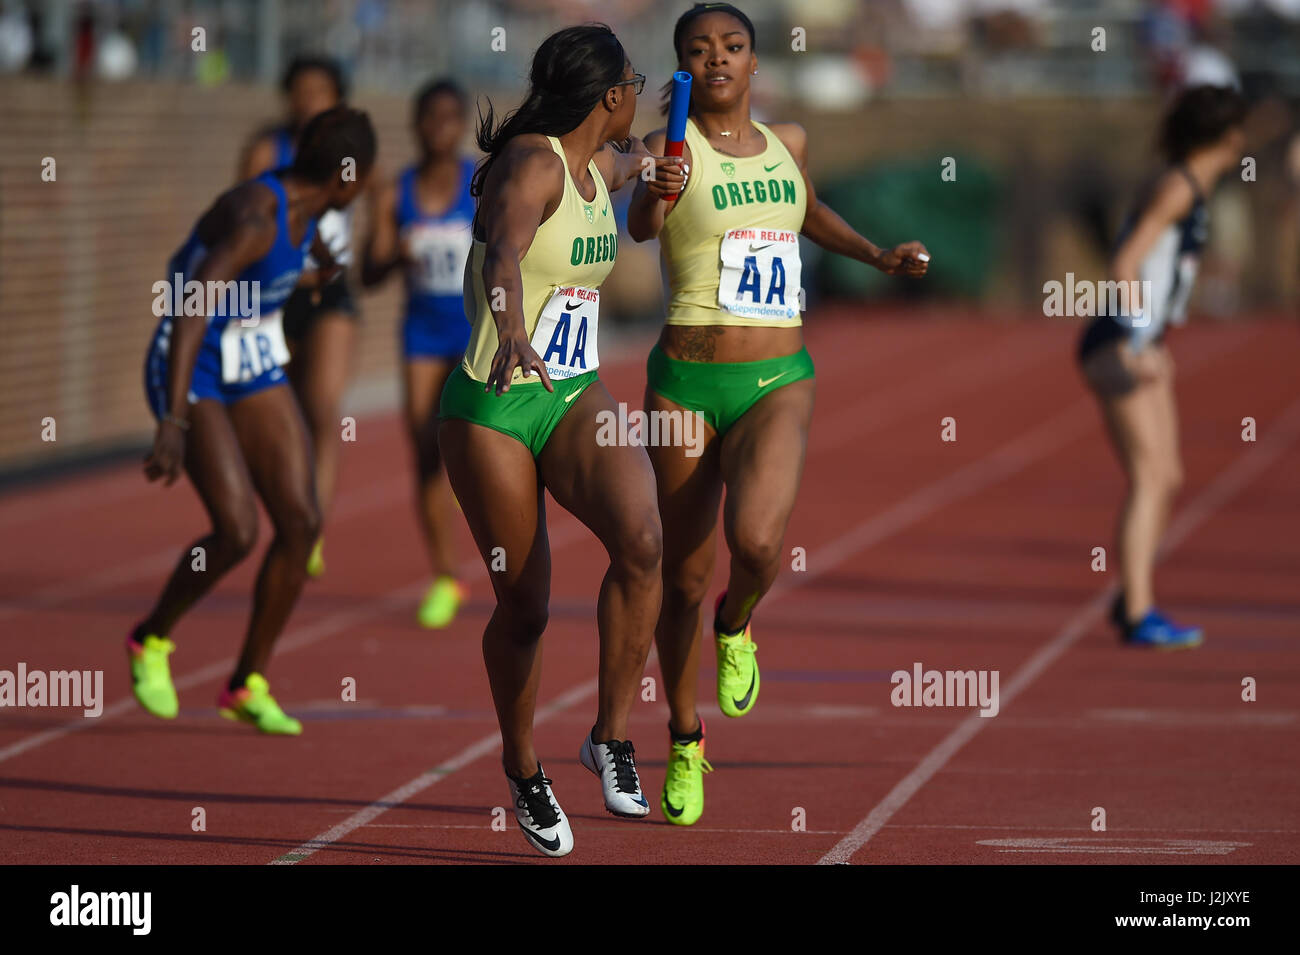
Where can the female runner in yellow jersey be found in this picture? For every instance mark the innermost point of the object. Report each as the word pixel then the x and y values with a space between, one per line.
pixel 732 352
pixel 544 239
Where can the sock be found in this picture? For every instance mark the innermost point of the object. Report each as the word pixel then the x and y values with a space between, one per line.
pixel 694 737
pixel 139 633
pixel 718 627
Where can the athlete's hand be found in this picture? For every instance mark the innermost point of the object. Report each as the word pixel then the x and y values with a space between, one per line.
pixel 515 352
pixel 168 452
pixel 317 278
pixel 670 174
pixel 327 272
pixel 910 259
pixel 406 251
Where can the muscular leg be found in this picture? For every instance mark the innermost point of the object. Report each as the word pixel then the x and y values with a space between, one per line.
pixel 611 490
pixel 273 436
pixel 1139 423
pixel 423 379
pixel 499 490
pixel 689 490
pixel 762 462
pixel 1167 405
pixel 322 363
pixel 216 469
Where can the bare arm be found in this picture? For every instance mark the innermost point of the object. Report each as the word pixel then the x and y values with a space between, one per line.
pixel 619 169
pixel 522 190
pixel 326 270
pixel 382 251
pixel 249 237
pixel 827 228
pixel 1171 201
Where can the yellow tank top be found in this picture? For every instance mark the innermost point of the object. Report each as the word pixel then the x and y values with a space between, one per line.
pixel 574 248
pixel 729 242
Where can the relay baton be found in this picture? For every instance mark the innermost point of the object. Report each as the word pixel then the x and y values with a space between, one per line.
pixel 678 106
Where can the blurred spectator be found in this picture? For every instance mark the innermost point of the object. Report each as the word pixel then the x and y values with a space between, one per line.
pixel 17 39
pixel 83 47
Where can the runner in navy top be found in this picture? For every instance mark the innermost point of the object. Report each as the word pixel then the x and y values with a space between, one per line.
pixel 320 322
pixel 215 377
pixel 1125 360
pixel 422 225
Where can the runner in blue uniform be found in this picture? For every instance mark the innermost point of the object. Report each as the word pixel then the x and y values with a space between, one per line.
pixel 320 323
pixel 215 381
pixel 1122 351
pixel 422 224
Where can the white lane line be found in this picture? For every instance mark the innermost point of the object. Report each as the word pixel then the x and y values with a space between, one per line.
pixel 395 600
pixel 614 825
pixel 350 504
pixel 1112 831
pixel 1250 465
pixel 1109 846
pixel 482 747
pixel 68 499
pixel 1005 461
pixel 876 409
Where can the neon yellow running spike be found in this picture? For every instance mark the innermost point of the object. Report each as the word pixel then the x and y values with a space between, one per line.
pixel 316 562
pixel 738 679
pixel 253 703
pixel 441 603
pixel 151 675
pixel 682 799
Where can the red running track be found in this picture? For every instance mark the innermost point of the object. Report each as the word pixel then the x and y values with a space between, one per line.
pixel 973 554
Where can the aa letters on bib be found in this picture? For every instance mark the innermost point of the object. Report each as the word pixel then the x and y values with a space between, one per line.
pixel 760 273
pixel 248 351
pixel 565 337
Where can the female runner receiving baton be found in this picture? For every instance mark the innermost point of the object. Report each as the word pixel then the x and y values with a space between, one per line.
pixel 731 352
pixel 544 240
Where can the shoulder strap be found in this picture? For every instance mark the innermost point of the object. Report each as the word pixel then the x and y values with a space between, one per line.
pixel 1191 180
pixel 272 181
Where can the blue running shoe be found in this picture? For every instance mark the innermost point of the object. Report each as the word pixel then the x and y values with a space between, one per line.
pixel 1155 630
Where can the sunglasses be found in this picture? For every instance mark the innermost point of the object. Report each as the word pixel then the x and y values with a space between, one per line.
pixel 637 81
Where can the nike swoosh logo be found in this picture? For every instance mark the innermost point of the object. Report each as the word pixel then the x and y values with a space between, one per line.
pixel 770 168
pixel 551 844
pixel 570 396
pixel 605 211
pixel 571 305
pixel 764 384
pixel 744 701
pixel 673 810
pixel 759 248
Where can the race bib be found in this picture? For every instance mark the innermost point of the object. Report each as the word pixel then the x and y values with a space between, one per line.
pixel 760 273
pixel 565 336
pixel 248 351
pixel 440 250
